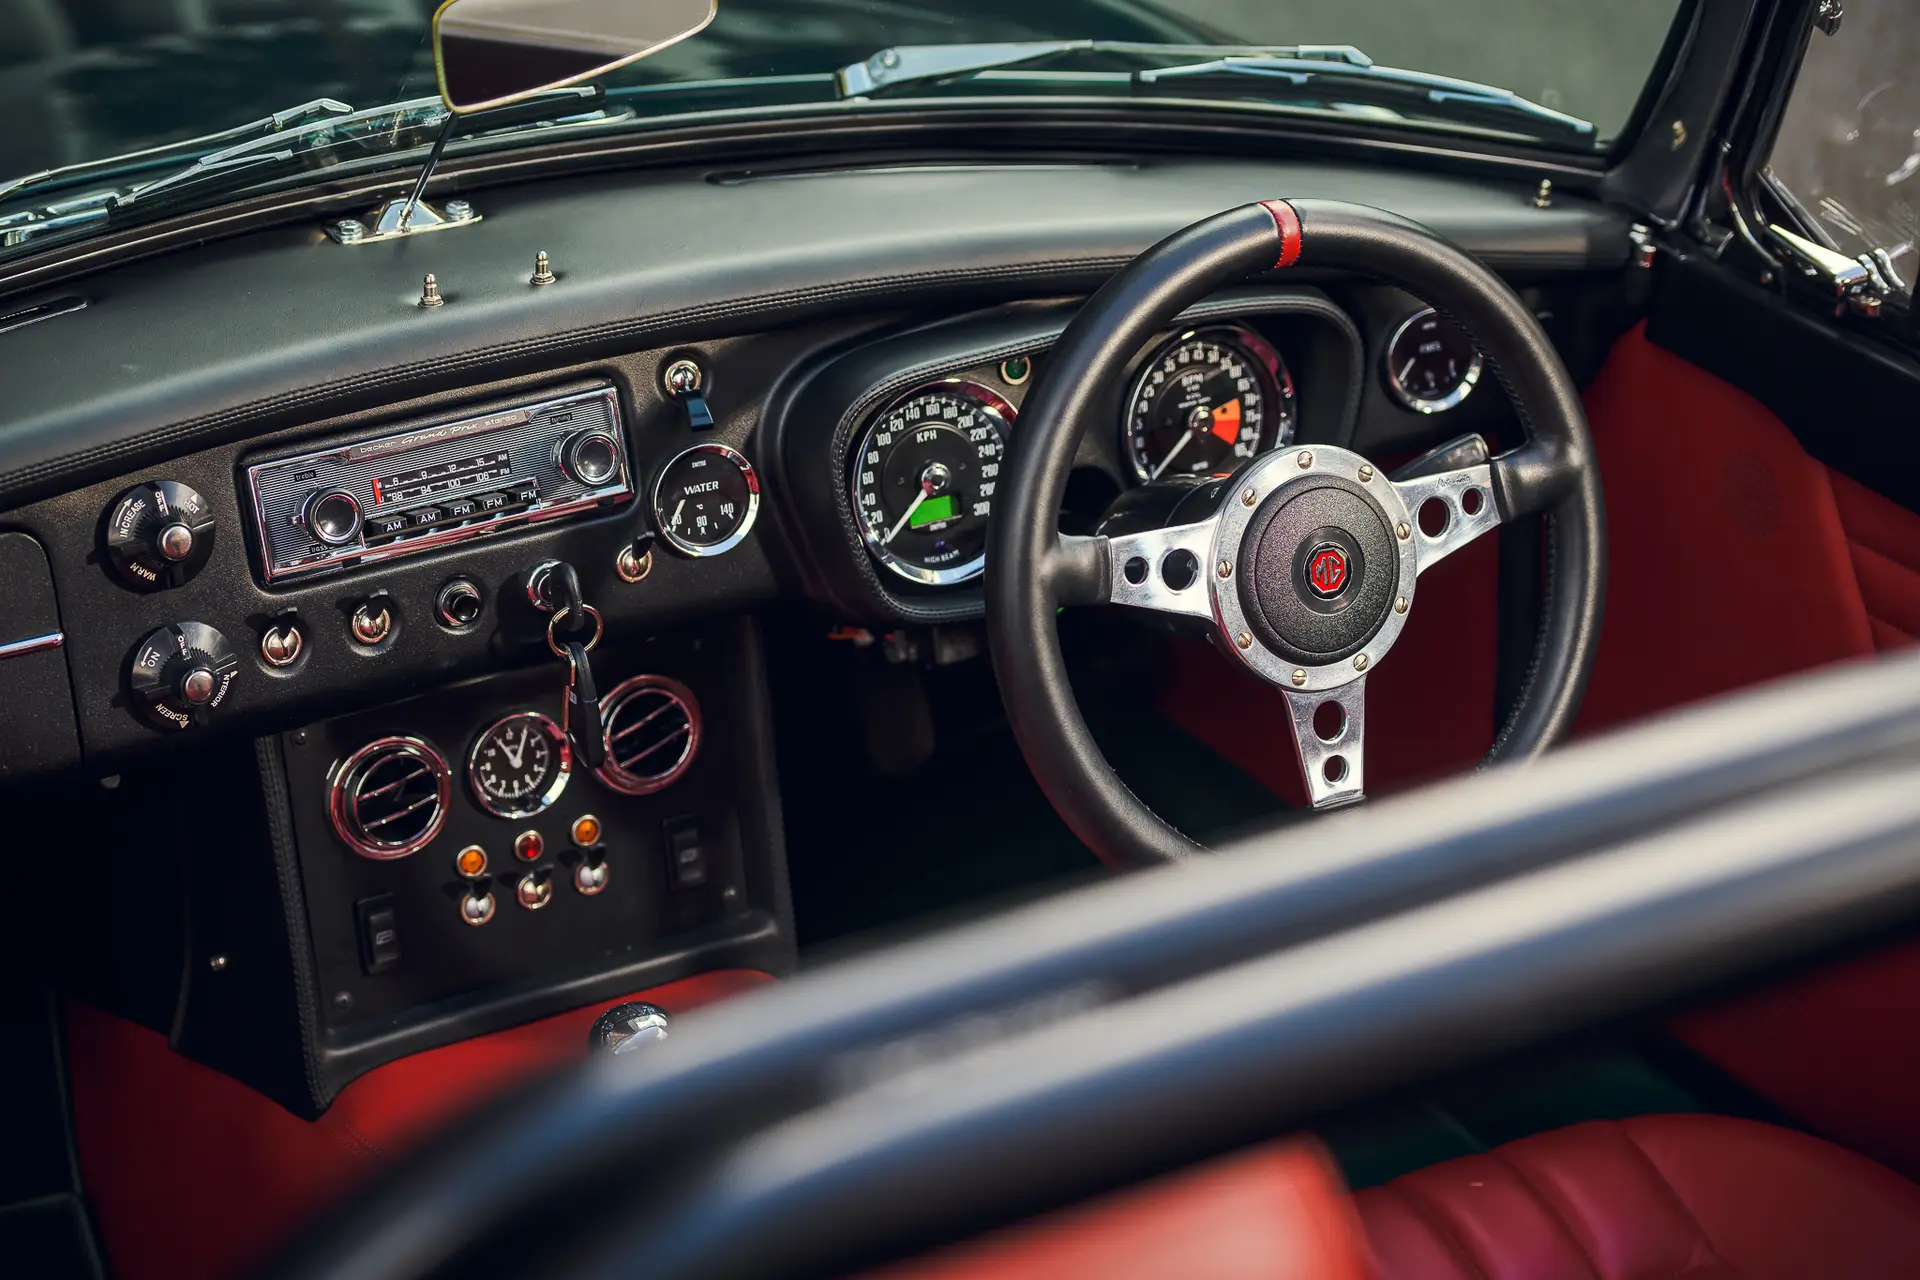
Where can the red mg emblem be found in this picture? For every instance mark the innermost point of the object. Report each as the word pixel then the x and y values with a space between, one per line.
pixel 1327 571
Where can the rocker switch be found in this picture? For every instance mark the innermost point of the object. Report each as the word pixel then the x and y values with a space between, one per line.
pixel 686 855
pixel 379 933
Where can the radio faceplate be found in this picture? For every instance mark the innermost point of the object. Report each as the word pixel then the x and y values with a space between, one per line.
pixel 433 485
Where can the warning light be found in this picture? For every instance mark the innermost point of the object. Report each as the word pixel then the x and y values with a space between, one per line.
pixel 1226 422
pixel 471 862
pixel 586 831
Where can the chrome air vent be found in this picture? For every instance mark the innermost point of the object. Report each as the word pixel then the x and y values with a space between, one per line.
pixel 389 798
pixel 653 732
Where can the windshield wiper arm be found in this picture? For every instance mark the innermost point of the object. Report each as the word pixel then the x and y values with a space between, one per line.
pixel 1363 81
pixel 920 64
pixel 1326 73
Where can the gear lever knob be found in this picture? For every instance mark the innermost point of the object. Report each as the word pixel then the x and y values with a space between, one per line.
pixel 627 1027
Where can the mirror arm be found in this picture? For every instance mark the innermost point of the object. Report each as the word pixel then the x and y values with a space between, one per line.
pixel 426 171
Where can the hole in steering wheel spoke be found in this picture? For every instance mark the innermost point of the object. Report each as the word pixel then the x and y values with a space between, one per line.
pixel 1334 770
pixel 1329 721
pixel 1179 570
pixel 1471 501
pixel 1135 570
pixel 1435 516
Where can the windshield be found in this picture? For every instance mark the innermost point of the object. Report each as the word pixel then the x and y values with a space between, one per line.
pixel 87 79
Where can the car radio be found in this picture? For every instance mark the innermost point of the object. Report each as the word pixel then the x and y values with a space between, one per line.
pixel 430 485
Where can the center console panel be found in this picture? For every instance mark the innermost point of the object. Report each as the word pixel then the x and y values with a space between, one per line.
pixel 618 880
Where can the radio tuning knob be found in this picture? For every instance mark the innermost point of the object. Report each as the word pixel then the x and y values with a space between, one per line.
pixel 159 534
pixel 181 673
pixel 590 458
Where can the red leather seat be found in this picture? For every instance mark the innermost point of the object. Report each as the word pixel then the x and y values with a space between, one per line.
pixel 1704 1197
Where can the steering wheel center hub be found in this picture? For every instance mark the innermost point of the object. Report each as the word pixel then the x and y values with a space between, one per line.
pixel 1319 569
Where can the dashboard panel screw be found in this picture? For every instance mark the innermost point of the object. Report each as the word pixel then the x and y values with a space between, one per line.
pixel 1225 569
pixel 1360 662
pixel 1366 474
pixel 1400 605
pixel 1244 640
pixel 1246 499
pixel 430 292
pixel 1305 459
pixel 350 230
pixel 1679 134
pixel 1299 676
pixel 542 270
pixel 343 1000
pixel 1543 197
pixel 1405 531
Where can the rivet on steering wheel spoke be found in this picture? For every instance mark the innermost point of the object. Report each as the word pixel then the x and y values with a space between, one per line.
pixel 1244 640
pixel 1305 458
pixel 1247 497
pixel 1405 531
pixel 1225 569
pixel 1400 605
pixel 1366 473
pixel 1299 675
pixel 1359 662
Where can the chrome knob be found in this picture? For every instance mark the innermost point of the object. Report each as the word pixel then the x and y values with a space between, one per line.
pixel 333 517
pixel 626 1027
pixel 175 542
pixel 591 458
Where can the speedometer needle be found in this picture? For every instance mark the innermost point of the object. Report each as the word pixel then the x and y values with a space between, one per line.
pixel 1172 453
pixel 901 523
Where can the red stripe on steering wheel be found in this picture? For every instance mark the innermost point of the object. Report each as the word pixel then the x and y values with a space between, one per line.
pixel 1289 224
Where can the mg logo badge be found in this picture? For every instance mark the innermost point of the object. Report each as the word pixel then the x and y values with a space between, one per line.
pixel 1327 571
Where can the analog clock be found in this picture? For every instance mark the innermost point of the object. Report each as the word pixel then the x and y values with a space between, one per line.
pixel 519 765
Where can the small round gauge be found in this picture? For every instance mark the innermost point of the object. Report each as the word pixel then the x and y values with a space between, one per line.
pixel 1208 401
pixel 1431 364
pixel 519 765
pixel 705 500
pixel 923 477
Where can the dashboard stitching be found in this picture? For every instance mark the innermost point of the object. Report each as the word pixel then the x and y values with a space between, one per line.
pixel 21 485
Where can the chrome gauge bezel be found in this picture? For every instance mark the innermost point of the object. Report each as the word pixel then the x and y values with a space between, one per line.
pixel 694 549
pixel 1438 404
pixel 555 736
pixel 995 406
pixel 1240 335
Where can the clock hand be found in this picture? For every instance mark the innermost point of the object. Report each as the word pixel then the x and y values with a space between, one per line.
pixel 515 754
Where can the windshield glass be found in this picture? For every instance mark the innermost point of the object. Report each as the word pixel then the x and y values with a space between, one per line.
pixel 87 79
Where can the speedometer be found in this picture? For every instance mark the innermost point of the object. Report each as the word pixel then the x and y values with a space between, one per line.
pixel 1207 402
pixel 922 480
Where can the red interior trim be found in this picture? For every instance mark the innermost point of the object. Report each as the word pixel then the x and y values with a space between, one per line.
pixel 1289 224
pixel 191 1173
pixel 1278 1214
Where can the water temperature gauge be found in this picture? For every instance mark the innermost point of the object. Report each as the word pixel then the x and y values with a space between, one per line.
pixel 705 500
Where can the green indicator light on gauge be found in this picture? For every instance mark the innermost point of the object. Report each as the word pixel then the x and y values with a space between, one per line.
pixel 944 507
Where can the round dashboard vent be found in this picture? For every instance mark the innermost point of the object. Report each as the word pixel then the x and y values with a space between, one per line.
pixel 390 797
pixel 653 731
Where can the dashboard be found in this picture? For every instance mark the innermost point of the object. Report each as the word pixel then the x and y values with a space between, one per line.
pixel 256 494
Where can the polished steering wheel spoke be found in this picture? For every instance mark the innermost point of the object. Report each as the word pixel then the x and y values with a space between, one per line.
pixel 1448 510
pixel 1329 732
pixel 1164 570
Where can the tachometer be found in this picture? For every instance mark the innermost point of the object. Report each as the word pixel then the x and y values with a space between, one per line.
pixel 1207 402
pixel 923 477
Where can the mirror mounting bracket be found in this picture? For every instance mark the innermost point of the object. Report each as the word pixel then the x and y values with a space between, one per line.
pixel 410 214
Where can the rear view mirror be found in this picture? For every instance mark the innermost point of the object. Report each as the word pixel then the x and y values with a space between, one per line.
pixel 492 52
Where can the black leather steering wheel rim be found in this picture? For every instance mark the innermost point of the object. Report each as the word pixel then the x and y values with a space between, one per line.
pixel 1032 571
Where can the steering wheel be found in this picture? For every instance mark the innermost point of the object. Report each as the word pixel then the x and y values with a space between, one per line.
pixel 1302 565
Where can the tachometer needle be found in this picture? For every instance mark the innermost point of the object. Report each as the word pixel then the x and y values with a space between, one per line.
pixel 1172 453
pixel 901 523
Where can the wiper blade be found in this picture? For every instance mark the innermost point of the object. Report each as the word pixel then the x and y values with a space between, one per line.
pixel 1323 73
pixel 266 126
pixel 921 64
pixel 1363 82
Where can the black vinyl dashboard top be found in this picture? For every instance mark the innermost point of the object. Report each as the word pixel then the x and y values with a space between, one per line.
pixel 282 327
